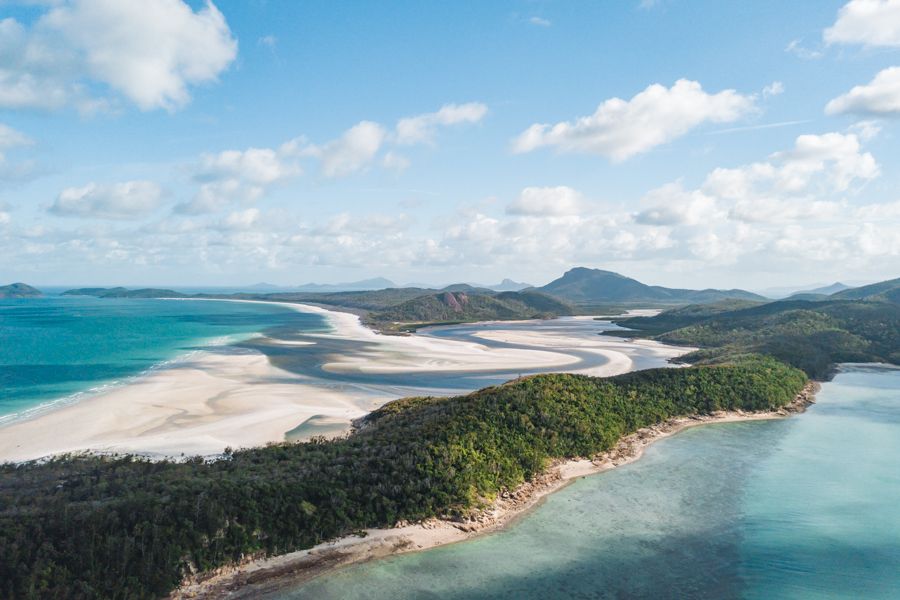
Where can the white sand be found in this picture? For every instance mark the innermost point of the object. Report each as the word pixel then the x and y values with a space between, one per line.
pixel 214 400
pixel 211 402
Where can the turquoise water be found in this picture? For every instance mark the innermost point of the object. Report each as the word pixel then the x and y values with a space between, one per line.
pixel 807 507
pixel 57 348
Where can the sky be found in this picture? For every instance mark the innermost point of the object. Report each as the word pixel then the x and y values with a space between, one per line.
pixel 684 143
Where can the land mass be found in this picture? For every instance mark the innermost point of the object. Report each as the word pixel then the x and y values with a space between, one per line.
pixel 127 527
pixel 811 335
pixel 19 290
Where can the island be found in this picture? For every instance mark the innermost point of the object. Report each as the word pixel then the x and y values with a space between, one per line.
pixel 19 290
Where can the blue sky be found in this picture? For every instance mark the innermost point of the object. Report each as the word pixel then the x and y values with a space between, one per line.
pixel 683 143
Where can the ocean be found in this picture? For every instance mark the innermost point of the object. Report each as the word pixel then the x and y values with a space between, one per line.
pixel 59 349
pixel 800 508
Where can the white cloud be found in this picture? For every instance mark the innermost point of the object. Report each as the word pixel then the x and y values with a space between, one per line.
pixel 129 200
pixel 547 202
pixel 239 176
pixel 540 21
pixel 241 220
pixel 671 204
pixel 353 151
pixel 421 128
pixel 775 88
pixel 620 129
pixel 395 162
pixel 866 130
pixel 881 96
pixel 817 165
pixel 261 166
pixel 149 51
pixel 4 218
pixel 10 138
pixel 796 48
pixel 866 22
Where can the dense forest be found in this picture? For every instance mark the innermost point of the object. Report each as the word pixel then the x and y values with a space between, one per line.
pixel 813 336
pixel 123 527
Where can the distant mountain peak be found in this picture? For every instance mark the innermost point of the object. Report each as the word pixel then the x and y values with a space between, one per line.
pixel 583 285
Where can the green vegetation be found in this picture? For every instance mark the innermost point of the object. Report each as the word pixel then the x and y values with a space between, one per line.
pixel 812 336
pixel 459 307
pixel 19 290
pixel 94 527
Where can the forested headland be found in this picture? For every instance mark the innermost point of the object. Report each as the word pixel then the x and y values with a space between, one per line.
pixel 124 527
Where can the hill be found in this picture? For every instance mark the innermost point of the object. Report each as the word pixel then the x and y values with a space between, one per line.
pixel 121 527
pixel 457 307
pixel 885 290
pixel 826 290
pixel 120 292
pixel 810 335
pixel 594 286
pixel 19 290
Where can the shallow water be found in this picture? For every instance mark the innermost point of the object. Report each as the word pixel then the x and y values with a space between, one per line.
pixel 56 348
pixel 807 507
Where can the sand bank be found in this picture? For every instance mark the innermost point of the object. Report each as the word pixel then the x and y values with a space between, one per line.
pixel 227 396
pixel 257 577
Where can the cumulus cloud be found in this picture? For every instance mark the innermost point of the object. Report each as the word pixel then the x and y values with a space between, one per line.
pixel 672 204
pixel 881 96
pixel 818 164
pixel 239 176
pixel 547 202
pixel 866 22
pixel 148 51
pixel 422 128
pixel 353 151
pixel 620 129
pixel 128 200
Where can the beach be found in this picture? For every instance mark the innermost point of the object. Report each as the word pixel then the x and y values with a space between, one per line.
pixel 234 397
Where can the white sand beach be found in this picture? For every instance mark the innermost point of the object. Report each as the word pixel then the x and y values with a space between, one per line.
pixel 220 398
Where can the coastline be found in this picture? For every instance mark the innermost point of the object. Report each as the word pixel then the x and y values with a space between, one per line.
pixel 222 396
pixel 258 576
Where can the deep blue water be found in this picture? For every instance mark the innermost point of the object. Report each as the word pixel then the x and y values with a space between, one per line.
pixel 55 348
pixel 802 508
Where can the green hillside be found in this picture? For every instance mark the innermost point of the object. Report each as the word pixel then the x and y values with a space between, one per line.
pixel 885 290
pixel 456 307
pixel 92 527
pixel 811 335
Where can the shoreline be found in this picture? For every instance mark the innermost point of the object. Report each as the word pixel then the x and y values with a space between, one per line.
pixel 258 576
pixel 223 396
